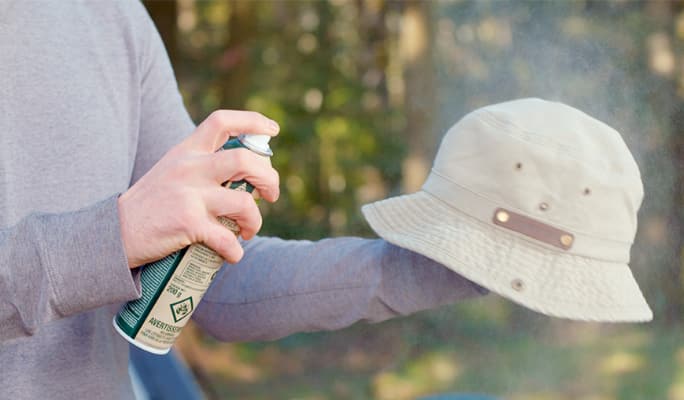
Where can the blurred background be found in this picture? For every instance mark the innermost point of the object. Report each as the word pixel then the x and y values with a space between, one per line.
pixel 363 91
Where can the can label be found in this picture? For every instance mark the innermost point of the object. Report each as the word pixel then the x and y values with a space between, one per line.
pixel 171 290
pixel 159 315
pixel 173 286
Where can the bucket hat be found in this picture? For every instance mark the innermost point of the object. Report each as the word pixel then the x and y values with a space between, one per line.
pixel 533 200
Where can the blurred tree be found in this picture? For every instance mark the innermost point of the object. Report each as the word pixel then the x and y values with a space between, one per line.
pixel 164 14
pixel 417 38
pixel 322 76
pixel 363 90
pixel 235 60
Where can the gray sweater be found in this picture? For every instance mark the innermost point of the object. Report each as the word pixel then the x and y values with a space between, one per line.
pixel 88 104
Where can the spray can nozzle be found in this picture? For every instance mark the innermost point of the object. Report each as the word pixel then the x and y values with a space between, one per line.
pixel 257 143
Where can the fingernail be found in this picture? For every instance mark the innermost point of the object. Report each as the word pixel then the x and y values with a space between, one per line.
pixel 273 126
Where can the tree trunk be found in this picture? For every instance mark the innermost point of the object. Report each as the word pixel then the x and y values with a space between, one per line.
pixel 236 60
pixel 164 15
pixel 420 96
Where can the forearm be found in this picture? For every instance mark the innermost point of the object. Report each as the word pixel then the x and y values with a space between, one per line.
pixel 282 287
pixel 57 265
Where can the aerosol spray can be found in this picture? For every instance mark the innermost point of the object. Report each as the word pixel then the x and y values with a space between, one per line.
pixel 173 286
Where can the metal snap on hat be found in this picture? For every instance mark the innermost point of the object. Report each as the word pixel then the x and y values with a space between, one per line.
pixel 535 201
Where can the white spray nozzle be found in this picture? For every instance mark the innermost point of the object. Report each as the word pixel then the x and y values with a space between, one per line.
pixel 257 143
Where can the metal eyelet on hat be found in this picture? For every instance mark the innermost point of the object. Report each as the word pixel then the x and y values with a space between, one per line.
pixel 543 206
pixel 502 216
pixel 518 285
pixel 587 191
pixel 566 240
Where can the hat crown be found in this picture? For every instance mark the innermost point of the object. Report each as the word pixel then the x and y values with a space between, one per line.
pixel 549 161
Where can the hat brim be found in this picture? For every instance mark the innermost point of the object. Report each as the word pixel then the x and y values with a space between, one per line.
pixel 516 267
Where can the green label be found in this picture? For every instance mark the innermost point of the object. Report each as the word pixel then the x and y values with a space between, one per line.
pixel 181 309
pixel 172 286
pixel 153 278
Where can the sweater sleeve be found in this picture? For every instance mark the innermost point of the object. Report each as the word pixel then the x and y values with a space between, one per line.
pixel 58 265
pixel 282 287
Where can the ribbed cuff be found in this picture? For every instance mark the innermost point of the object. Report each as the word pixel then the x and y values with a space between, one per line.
pixel 83 255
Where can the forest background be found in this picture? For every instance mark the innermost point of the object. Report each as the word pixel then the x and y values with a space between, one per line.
pixel 363 91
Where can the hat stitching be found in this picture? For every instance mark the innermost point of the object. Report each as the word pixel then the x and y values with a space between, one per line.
pixel 532 227
pixel 574 153
pixel 548 262
pixel 534 138
pixel 395 239
pixel 504 123
pixel 460 216
pixel 507 233
pixel 540 140
pixel 512 233
pixel 560 226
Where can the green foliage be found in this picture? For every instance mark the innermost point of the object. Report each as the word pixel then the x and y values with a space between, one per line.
pixel 353 104
pixel 303 65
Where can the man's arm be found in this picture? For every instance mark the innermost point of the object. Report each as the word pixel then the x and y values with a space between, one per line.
pixel 176 191
pixel 58 265
pixel 282 287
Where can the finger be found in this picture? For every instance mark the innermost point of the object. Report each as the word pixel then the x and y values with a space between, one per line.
pixel 215 130
pixel 237 164
pixel 237 206
pixel 223 241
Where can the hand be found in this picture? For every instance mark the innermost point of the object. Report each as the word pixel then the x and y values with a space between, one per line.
pixel 176 203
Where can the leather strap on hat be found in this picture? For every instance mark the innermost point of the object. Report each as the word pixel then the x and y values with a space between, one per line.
pixel 533 228
pixel 482 208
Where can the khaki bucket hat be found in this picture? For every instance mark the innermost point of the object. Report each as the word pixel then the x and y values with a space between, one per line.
pixel 534 200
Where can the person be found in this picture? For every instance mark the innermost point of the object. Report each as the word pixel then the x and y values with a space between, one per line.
pixel 102 170
pixel 531 199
